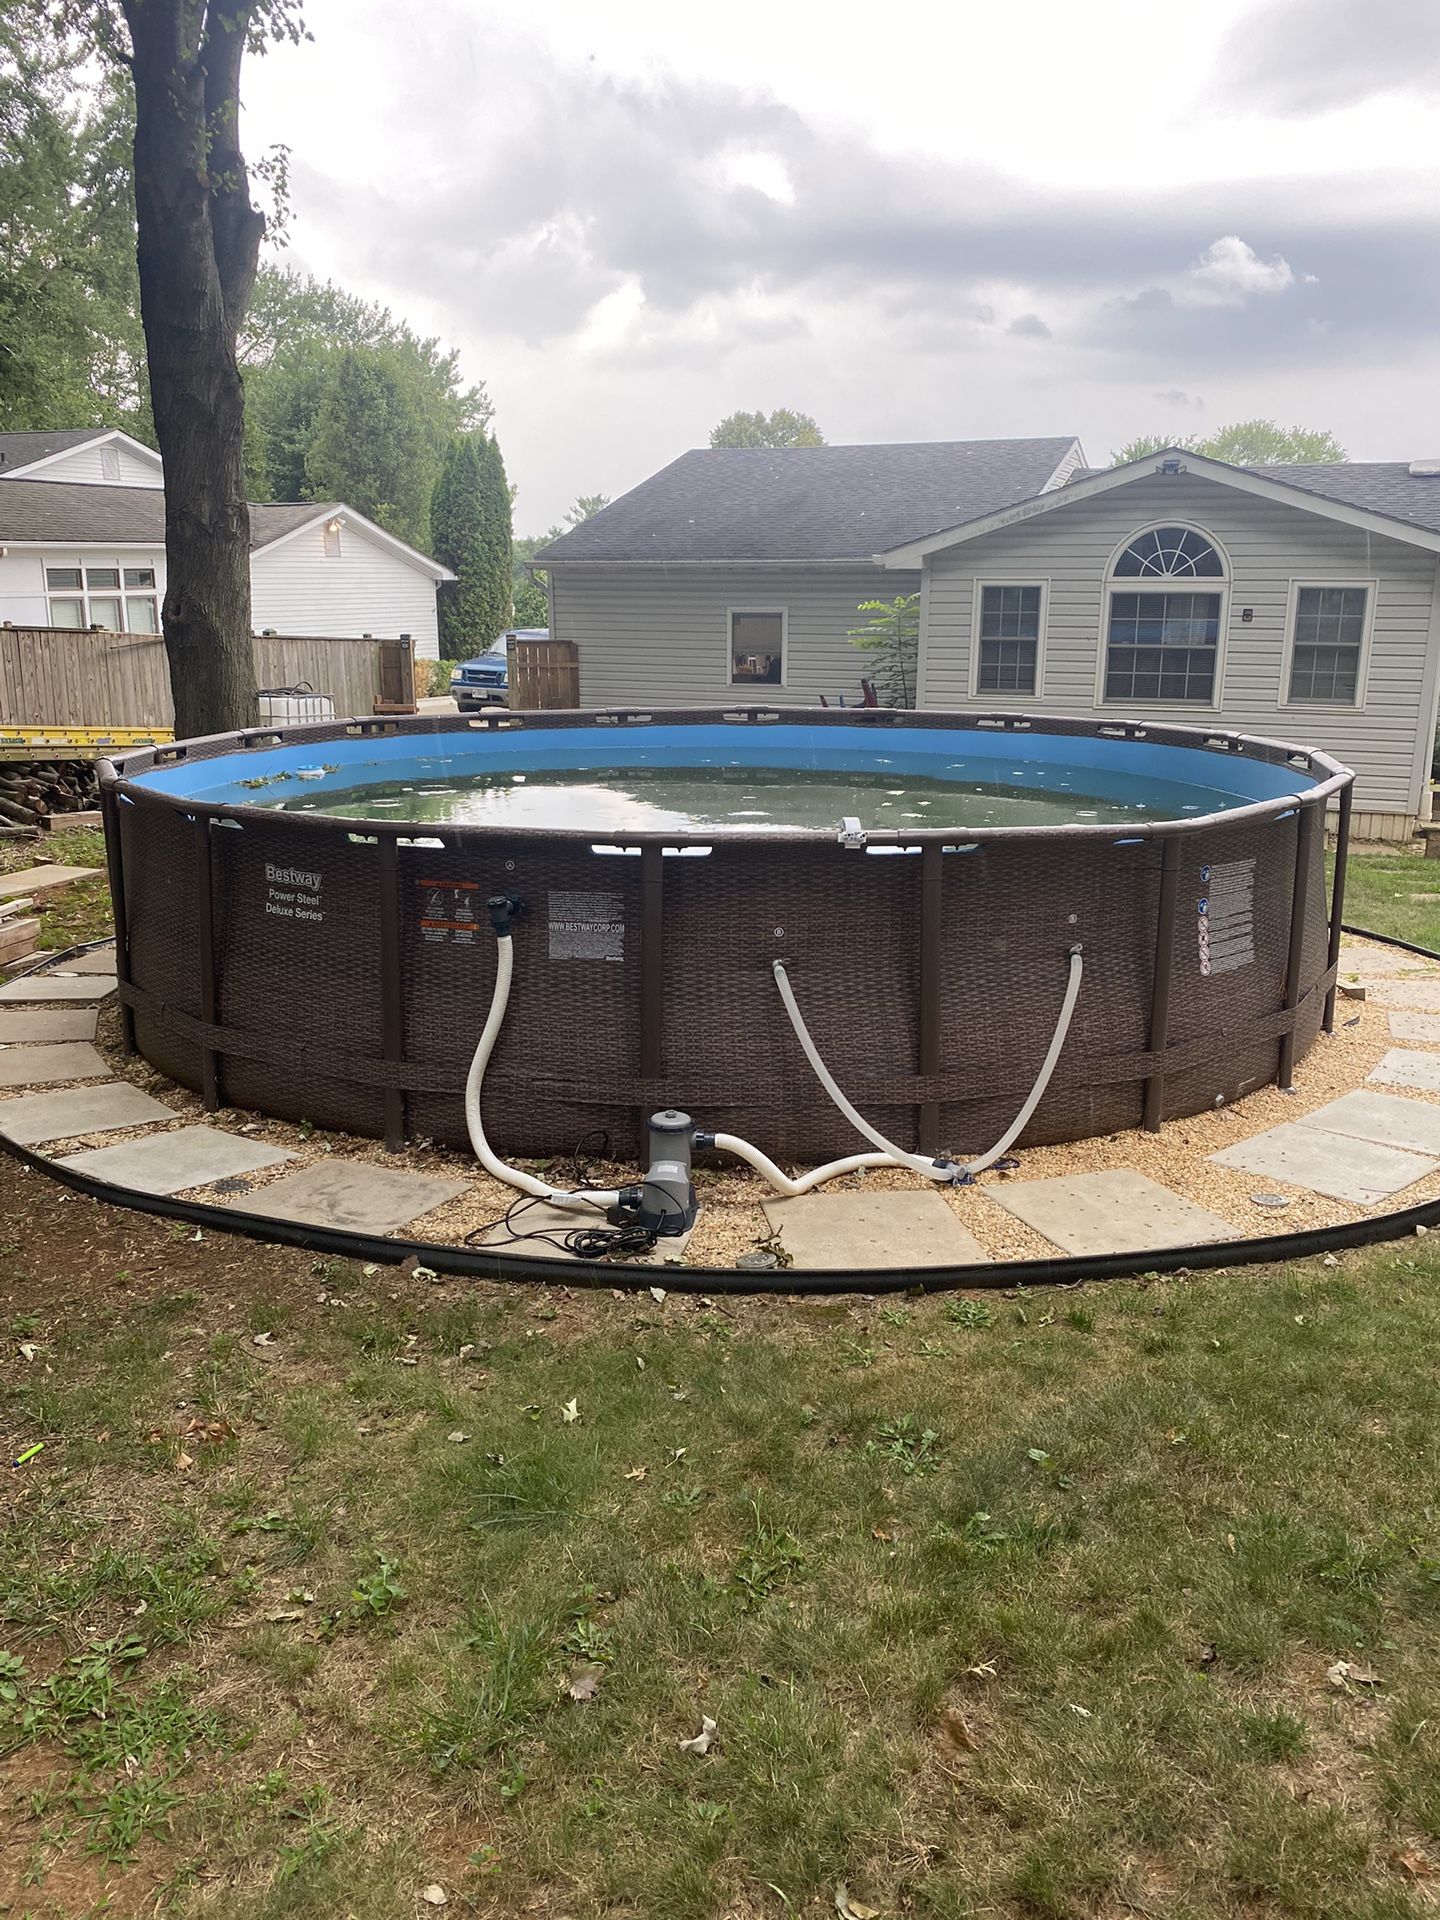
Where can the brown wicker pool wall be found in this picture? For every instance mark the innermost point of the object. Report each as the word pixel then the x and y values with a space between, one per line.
pixel 929 969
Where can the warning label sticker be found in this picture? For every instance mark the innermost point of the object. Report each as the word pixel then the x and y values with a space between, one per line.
pixel 1225 916
pixel 587 926
pixel 449 912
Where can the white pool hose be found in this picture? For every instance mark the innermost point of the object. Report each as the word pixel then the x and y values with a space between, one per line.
pixel 475 1080
pixel 1047 1067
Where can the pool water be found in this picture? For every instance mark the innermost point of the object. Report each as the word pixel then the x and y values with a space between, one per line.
pixel 740 799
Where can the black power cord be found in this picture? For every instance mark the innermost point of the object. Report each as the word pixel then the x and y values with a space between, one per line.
pixel 597 1242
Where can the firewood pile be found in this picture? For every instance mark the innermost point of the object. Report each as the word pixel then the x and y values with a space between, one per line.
pixel 35 790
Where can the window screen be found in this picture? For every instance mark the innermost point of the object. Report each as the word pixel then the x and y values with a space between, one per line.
pixel 1009 639
pixel 1329 632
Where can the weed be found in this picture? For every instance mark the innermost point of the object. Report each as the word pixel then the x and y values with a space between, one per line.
pixel 376 1594
pixel 774 1558
pixel 969 1313
pixel 903 1442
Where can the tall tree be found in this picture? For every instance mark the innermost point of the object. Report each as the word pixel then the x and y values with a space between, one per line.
pixel 198 235
pixel 1245 443
pixel 367 442
pixel 892 635
pixel 470 534
pixel 782 428
pixel 586 507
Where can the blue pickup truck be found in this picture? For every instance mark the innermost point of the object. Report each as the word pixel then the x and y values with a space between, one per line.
pixel 484 681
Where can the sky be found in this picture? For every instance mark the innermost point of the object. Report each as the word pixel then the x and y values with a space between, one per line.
pixel 913 221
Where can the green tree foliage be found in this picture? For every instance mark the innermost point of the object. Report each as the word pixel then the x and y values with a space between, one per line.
pixel 71 349
pixel 782 428
pixel 470 534
pixel 892 635
pixel 346 402
pixel 585 506
pixel 529 588
pixel 1244 443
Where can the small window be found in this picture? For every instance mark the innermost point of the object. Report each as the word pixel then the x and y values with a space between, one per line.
pixel 332 539
pixel 1174 552
pixel 110 462
pixel 757 649
pixel 63 579
pixel 105 612
pixel 102 579
pixel 1329 636
pixel 139 577
pixel 67 613
pixel 141 615
pixel 1009 639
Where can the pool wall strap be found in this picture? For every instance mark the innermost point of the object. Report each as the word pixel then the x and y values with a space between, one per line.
pixel 1160 979
pixel 205 955
pixel 392 989
pixel 1295 960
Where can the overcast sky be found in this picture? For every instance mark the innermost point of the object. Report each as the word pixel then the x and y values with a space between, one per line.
pixel 919 221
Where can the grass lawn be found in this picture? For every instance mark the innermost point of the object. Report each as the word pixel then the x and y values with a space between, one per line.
pixel 332 1585
pixel 72 914
pixel 1378 890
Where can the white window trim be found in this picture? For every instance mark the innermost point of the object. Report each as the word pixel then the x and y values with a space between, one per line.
pixel 976 604
pixel 757 686
pixel 1283 702
pixel 1165 583
pixel 87 562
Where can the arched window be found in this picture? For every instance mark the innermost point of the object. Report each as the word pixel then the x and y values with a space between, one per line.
pixel 1162 639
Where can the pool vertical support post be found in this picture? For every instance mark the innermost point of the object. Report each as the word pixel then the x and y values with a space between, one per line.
pixel 1299 913
pixel 1337 896
pixel 392 986
pixel 652 968
pixel 210 1090
pixel 115 864
pixel 932 874
pixel 1161 977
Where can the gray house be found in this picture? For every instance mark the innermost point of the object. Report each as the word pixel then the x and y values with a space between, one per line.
pixel 1299 602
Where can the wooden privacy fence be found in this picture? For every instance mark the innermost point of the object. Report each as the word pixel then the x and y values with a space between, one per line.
pixel 56 676
pixel 544 673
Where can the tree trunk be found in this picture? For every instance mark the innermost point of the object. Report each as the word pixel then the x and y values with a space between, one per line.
pixel 196 233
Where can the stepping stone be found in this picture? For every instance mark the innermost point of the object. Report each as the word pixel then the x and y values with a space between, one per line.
pixel 883 1228
pixel 1403 1026
pixel 171 1162
pixel 98 960
pixel 44 1066
pixel 60 986
pixel 1381 1118
pixel 353 1195
pixel 1119 1211
pixel 77 1110
pixel 1399 1068
pixel 41 879
pixel 1328 1163
pixel 1420 996
pixel 1376 966
pixel 542 1218
pixel 32 1025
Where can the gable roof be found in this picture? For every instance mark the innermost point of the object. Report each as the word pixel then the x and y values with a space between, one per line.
pixel 60 512
pixel 810 503
pixel 21 452
pixel 1381 497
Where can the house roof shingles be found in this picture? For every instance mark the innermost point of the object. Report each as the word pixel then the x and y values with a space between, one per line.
pixel 80 515
pixel 810 503
pixel 19 449
pixel 1378 486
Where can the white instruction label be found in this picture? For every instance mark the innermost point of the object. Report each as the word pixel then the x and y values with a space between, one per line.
pixel 292 893
pixel 587 926
pixel 1225 916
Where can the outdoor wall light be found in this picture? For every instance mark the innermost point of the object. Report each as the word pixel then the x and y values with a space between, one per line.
pixel 1171 467
pixel 1247 614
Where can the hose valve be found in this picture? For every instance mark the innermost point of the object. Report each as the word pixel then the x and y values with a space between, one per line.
pixel 504 908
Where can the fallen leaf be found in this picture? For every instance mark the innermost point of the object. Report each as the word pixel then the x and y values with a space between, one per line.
pixel 1410 1860
pixel 1084 1712
pixel 636 1473
pixel 28 1349
pixel 879 1533
pixel 1346 1673
pixel 182 1461
pixel 262 1339
pixel 435 1895
pixel 585 1683
pixel 849 1908
pixel 570 1412
pixel 657 1294
pixel 458 1437
pixel 370 1269
pixel 1230 1542
pixel 702 1741
pixel 288 1613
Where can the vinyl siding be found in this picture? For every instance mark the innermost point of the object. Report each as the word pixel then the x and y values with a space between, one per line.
pixel 296 589
pixel 83 466
pixel 1268 546
pixel 662 634
pixel 23 600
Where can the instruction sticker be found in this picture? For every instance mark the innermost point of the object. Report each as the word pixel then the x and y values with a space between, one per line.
pixel 1225 916
pixel 292 893
pixel 448 914
pixel 587 926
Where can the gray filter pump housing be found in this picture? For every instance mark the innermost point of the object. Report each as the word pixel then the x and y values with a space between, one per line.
pixel 667 1196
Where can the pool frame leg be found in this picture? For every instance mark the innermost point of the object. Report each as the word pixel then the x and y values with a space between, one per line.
pixel 652 970
pixel 1299 909
pixel 932 877
pixel 210 1083
pixel 392 987
pixel 1337 896
pixel 115 863
pixel 1161 976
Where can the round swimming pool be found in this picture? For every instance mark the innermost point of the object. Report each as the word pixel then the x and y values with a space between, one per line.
pixel 303 924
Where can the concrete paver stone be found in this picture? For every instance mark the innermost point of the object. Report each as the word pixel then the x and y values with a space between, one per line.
pixel 30 1026
pixel 1330 1163
pixel 886 1227
pixel 1117 1211
pixel 353 1195
pixel 45 1066
pixel 38 988
pixel 173 1162
pixel 72 1111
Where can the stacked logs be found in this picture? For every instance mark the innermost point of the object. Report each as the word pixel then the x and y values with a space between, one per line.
pixel 33 790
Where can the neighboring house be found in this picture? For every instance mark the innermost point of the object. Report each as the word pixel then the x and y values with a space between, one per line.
pixel 1298 602
pixel 78 554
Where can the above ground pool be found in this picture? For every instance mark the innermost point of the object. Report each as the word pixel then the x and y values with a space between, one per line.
pixel 304 928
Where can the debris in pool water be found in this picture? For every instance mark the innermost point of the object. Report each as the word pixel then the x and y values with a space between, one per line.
pixel 265 780
pixel 310 773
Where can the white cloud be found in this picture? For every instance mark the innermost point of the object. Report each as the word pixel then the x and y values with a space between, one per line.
pixel 1229 272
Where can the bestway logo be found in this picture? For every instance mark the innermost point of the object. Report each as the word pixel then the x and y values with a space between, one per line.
pixel 292 877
